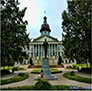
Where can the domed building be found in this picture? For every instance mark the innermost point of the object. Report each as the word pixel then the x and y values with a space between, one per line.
pixel 36 51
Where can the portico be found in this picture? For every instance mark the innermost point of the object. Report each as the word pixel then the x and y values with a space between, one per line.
pixel 37 49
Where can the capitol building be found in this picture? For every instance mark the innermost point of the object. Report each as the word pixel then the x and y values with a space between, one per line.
pixel 55 47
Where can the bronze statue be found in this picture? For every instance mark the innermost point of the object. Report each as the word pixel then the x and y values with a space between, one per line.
pixel 45 46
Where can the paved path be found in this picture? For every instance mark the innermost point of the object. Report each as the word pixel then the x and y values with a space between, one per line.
pixel 8 76
pixel 64 81
pixel 61 81
pixel 84 74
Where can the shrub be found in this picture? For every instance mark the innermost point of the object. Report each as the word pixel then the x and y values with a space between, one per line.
pixel 85 70
pixel 21 74
pixel 54 87
pixel 16 68
pixel 42 84
pixel 59 60
pixel 19 88
pixel 5 72
pixel 19 77
pixel 72 73
pixel 69 67
pixel 77 78
pixel 75 67
pixel 60 87
pixel 21 69
pixel 31 61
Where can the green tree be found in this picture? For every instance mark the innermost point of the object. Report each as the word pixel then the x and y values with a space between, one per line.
pixel 77 30
pixel 59 60
pixel 14 37
pixel 31 61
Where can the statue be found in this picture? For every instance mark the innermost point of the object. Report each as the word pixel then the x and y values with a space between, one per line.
pixel 46 72
pixel 45 46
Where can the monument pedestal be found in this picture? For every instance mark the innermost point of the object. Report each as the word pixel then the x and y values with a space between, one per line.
pixel 46 71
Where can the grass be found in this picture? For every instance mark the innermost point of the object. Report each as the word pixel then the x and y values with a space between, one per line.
pixel 80 65
pixel 54 87
pixel 53 71
pixel 10 67
pixel 77 78
pixel 69 69
pixel 21 69
pixel 19 77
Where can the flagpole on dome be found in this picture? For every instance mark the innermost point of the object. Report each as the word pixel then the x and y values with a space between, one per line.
pixel 44 13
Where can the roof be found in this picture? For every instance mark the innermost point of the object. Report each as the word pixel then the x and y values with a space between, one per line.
pixel 55 39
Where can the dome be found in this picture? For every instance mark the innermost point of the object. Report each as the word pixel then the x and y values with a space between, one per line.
pixel 45 26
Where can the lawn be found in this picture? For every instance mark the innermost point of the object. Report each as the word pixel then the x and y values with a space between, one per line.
pixel 53 70
pixel 10 67
pixel 19 77
pixel 17 68
pixel 69 69
pixel 80 65
pixel 77 78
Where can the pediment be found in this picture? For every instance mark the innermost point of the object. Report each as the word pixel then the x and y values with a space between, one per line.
pixel 48 38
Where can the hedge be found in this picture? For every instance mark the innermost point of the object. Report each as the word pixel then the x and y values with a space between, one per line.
pixel 77 78
pixel 19 77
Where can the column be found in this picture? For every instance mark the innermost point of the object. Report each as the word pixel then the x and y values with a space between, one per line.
pixel 41 50
pixel 49 50
pixel 38 50
pixel 52 49
pixel 57 49
pixel 33 50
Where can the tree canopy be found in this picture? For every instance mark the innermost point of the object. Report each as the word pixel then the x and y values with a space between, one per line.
pixel 77 30
pixel 13 32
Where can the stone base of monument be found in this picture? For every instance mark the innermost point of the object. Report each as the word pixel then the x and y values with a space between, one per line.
pixel 46 71
pixel 51 77
pixel 37 77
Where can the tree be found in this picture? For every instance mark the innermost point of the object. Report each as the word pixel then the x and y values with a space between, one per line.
pixel 13 35
pixel 31 62
pixel 76 30
pixel 59 60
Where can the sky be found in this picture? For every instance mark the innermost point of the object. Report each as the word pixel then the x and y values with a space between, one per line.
pixel 35 13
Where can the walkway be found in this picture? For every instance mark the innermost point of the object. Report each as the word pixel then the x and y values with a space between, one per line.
pixel 8 76
pixel 61 81
pixel 84 74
